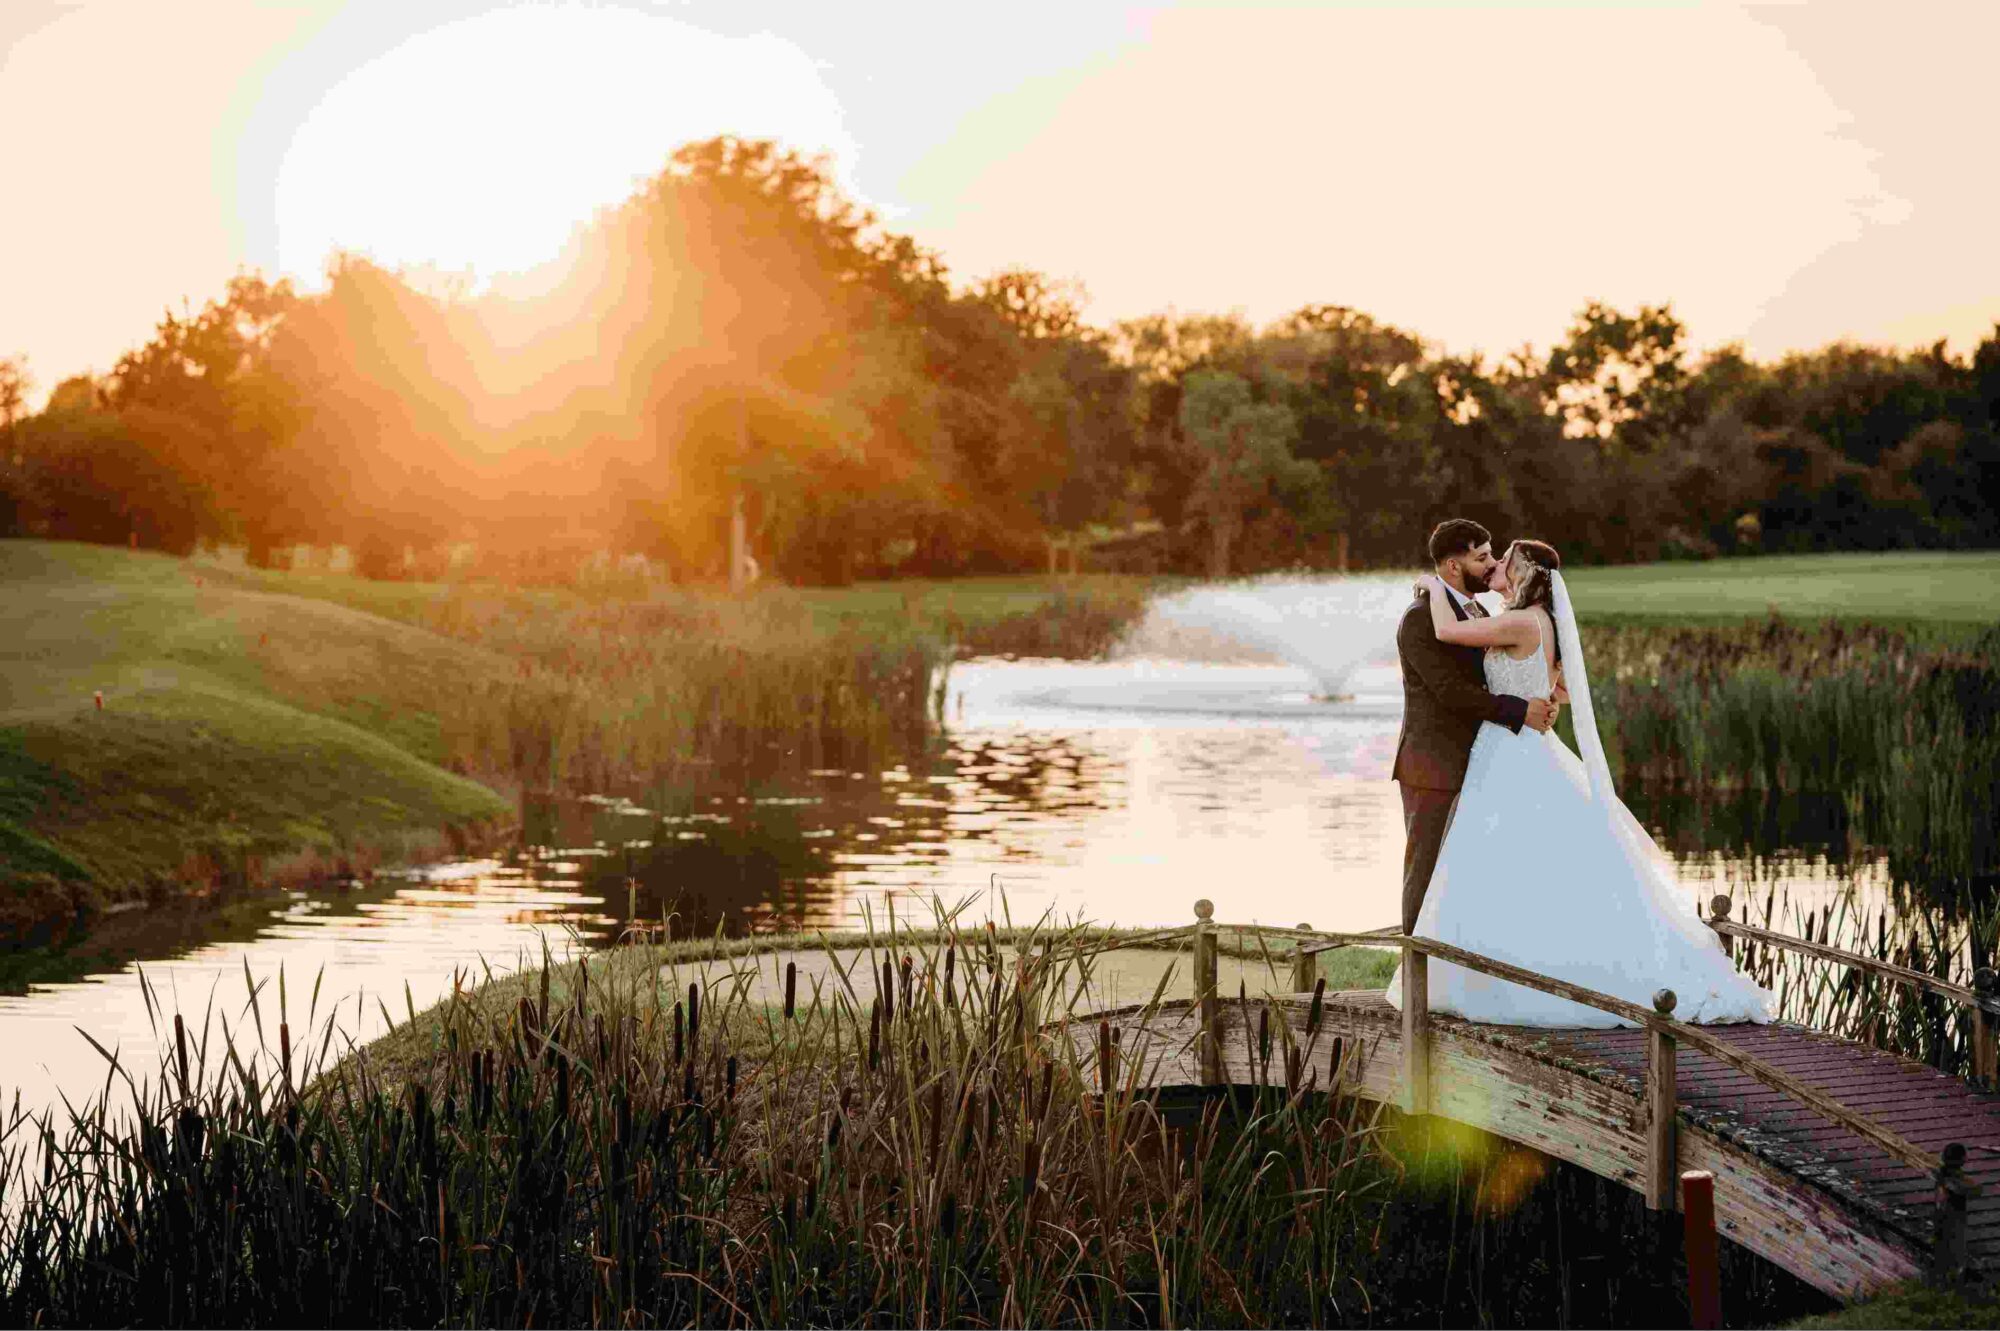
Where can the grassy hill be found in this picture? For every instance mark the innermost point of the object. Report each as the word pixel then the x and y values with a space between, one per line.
pixel 241 729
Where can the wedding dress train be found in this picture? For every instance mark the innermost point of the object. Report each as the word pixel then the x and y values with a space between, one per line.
pixel 1541 870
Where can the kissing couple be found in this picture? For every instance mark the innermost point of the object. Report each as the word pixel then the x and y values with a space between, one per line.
pixel 1517 848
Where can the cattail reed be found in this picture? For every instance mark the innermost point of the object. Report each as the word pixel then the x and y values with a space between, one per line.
pixel 650 1146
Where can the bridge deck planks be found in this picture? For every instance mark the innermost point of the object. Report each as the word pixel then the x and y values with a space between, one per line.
pixel 1915 1100
pixel 1814 1171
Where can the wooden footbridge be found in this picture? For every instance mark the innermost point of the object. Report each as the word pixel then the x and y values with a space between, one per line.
pixel 1842 1163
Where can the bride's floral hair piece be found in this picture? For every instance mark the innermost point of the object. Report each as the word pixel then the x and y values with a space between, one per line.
pixel 1529 564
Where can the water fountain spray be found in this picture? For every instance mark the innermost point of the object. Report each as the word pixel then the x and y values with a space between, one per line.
pixel 1326 625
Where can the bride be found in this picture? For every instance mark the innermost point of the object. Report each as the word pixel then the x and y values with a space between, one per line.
pixel 1543 866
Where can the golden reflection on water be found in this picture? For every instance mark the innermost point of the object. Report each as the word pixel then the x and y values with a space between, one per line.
pixel 1118 793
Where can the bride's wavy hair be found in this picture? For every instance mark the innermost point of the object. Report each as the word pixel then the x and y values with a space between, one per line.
pixel 1529 564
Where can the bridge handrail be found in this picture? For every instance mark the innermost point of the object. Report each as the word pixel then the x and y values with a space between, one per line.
pixel 1695 1037
pixel 1720 922
pixel 1115 942
pixel 1658 1020
pixel 1981 999
pixel 1664 1030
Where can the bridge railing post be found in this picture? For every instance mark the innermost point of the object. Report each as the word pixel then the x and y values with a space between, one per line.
pixel 1698 1233
pixel 1718 913
pixel 1416 1030
pixel 1305 965
pixel 1948 1251
pixel 1985 1046
pixel 1207 1008
pixel 1662 1108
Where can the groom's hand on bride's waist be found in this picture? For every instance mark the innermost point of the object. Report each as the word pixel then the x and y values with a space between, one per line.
pixel 1542 715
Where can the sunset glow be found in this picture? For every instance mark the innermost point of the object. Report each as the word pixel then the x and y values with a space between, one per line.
pixel 1121 504
pixel 478 146
pixel 1785 175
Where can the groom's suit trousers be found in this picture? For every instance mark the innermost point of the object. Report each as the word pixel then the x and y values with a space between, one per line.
pixel 1426 818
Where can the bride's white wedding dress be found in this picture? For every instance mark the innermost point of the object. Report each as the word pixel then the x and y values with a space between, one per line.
pixel 1540 871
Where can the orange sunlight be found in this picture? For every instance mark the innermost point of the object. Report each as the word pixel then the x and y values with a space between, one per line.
pixel 477 147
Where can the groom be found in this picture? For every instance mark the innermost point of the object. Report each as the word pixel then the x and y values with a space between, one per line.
pixel 1444 700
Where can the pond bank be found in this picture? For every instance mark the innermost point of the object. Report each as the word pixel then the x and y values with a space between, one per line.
pixel 172 730
pixel 166 737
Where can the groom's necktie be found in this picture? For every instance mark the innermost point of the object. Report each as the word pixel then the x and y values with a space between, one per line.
pixel 1473 608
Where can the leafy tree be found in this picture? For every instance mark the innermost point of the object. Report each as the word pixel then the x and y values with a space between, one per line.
pixel 14 385
pixel 1244 447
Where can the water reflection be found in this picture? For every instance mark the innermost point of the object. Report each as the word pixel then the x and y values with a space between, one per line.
pixel 374 954
pixel 1118 792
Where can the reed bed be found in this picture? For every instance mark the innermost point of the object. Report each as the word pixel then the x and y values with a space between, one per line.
pixel 1902 728
pixel 617 690
pixel 1851 1003
pixel 607 693
pixel 1889 736
pixel 637 1139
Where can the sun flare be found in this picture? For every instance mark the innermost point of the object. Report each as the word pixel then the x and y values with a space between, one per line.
pixel 480 145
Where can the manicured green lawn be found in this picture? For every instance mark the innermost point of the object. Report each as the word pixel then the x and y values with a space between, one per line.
pixel 875 607
pixel 1899 587
pixel 236 724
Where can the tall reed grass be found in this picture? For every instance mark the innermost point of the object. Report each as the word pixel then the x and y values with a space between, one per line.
pixel 1892 734
pixel 630 1141
pixel 1849 1002
pixel 620 690
pixel 1902 729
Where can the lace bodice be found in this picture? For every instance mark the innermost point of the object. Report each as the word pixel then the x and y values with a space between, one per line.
pixel 1525 678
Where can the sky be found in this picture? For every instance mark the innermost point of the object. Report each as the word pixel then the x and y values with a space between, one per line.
pixel 1784 174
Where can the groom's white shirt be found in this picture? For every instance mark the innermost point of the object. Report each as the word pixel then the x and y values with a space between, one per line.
pixel 1462 602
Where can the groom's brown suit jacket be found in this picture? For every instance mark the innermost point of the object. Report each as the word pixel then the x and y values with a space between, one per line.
pixel 1444 700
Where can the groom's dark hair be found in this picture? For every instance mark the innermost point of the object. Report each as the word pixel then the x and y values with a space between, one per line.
pixel 1454 536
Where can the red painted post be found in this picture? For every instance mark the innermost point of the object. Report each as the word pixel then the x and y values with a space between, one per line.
pixel 1698 1225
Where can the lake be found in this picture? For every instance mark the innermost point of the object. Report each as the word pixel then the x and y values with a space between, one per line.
pixel 1117 792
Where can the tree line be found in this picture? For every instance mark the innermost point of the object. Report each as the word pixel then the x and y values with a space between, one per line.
pixel 737 332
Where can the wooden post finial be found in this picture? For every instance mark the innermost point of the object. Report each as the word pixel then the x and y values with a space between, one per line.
pixel 1663 1002
pixel 1204 909
pixel 1305 965
pixel 1718 916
